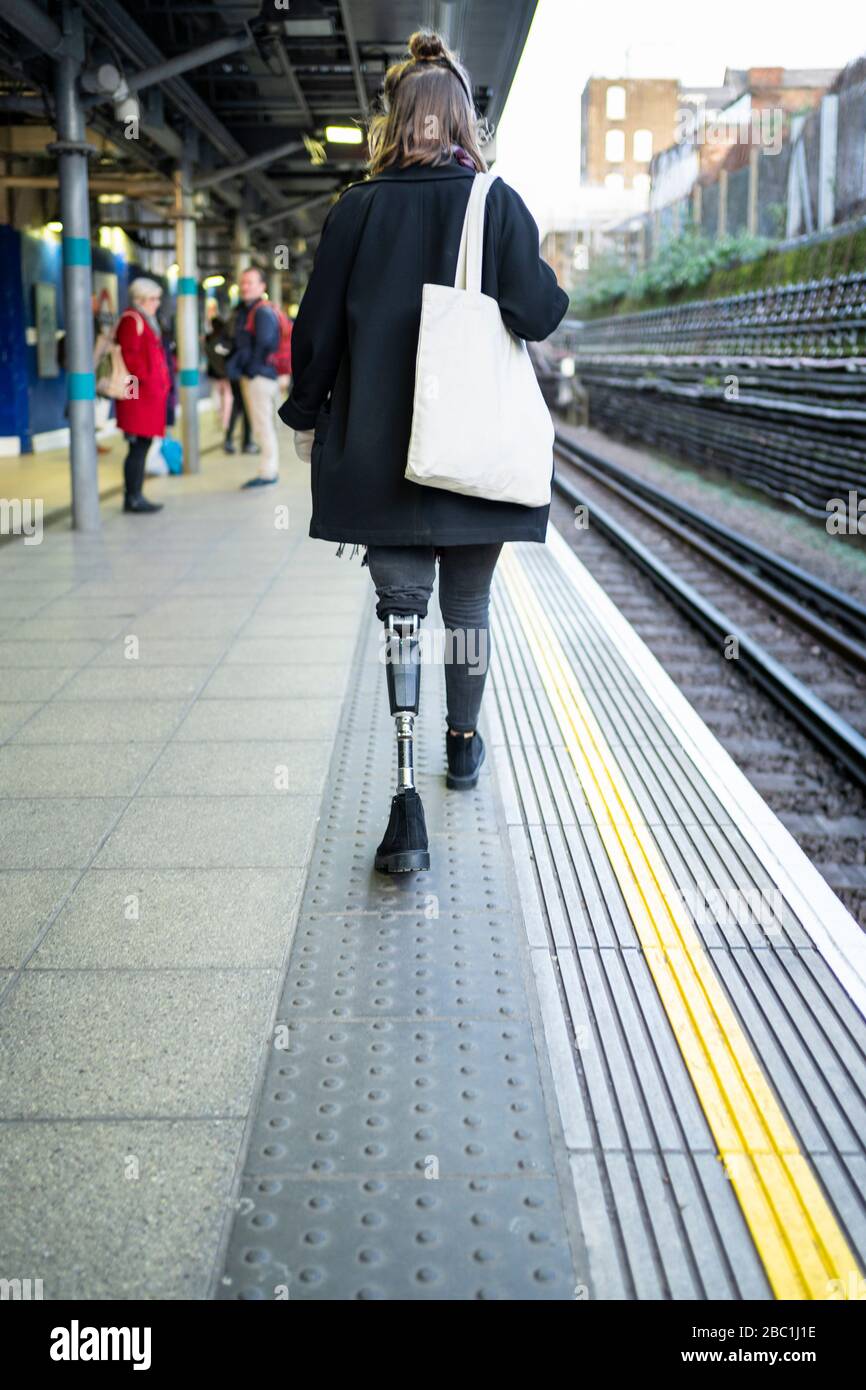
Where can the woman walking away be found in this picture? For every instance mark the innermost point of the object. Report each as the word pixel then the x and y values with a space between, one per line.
pixel 142 416
pixel 351 407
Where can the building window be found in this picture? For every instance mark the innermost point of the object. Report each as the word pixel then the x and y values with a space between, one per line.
pixel 614 146
pixel 615 182
pixel 643 146
pixel 641 182
pixel 615 103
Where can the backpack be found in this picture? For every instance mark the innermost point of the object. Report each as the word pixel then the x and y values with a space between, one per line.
pixel 281 360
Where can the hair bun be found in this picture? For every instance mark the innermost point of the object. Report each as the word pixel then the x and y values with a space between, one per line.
pixel 426 46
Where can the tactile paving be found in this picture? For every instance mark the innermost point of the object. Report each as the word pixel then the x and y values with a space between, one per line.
pixel 402 1145
pixel 381 1238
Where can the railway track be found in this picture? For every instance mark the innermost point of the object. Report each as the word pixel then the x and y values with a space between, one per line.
pixel 715 607
pixel 802 453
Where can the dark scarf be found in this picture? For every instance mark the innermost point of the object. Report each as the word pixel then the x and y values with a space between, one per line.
pixel 458 153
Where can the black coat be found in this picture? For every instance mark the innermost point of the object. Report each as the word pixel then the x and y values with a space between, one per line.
pixel 355 341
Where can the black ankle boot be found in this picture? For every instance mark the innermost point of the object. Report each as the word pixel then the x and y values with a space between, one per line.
pixel 404 848
pixel 465 756
pixel 137 502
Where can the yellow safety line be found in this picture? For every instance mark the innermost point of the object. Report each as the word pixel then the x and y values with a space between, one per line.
pixel 796 1233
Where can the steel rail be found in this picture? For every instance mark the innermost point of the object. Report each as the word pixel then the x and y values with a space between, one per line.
pixel 812 622
pixel 783 572
pixel 822 723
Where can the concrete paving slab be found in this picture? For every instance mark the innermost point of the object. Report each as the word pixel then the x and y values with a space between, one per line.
pixel 96 627
pixel 212 832
pixel 99 721
pixel 28 897
pixel 57 833
pixel 73 769
pixel 125 1210
pixel 162 651
pixel 238 769
pixel 32 684
pixel 131 1043
pixel 14 714
pixel 238 682
pixel 281 651
pixel 327 628
pixel 231 721
pixel 135 919
pixel 135 681
pixel 26 652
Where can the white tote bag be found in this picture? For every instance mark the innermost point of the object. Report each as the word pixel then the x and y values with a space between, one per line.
pixel 480 425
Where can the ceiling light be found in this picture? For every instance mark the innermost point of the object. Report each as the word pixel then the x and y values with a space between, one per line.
pixel 343 135
pixel 111 198
pixel 210 282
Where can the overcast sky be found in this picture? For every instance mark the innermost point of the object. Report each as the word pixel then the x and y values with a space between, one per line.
pixel 538 141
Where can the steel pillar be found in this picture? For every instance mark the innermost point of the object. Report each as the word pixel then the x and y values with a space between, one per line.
pixel 187 316
pixel 72 153
pixel 275 288
pixel 240 247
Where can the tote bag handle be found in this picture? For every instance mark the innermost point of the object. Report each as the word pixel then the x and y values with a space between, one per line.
pixel 471 254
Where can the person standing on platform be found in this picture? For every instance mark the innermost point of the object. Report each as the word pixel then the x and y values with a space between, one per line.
pixel 257 339
pixel 142 416
pixel 354 352
pixel 217 349
pixel 239 410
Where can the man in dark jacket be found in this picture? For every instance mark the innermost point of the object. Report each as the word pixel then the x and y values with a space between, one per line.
pixel 257 337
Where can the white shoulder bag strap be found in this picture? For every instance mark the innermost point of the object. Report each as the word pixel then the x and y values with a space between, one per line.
pixel 471 254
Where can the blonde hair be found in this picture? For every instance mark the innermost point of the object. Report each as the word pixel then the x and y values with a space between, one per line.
pixel 428 108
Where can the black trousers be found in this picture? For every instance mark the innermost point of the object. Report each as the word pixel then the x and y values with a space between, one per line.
pixel 133 464
pixel 403 576
pixel 239 412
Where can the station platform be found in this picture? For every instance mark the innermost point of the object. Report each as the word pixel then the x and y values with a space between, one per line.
pixel 611 1045
pixel 45 474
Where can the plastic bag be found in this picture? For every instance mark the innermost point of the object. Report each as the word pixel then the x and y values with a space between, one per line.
pixel 172 452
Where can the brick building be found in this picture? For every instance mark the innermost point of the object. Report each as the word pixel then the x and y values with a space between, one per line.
pixel 624 121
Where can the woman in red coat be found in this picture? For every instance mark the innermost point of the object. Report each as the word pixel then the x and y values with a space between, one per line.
pixel 142 415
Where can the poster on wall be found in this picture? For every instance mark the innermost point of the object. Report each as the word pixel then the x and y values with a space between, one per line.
pixel 46 329
pixel 105 308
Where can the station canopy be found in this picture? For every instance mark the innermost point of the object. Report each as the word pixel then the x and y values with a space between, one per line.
pixel 293 79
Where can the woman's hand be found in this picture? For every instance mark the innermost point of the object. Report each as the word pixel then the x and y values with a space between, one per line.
pixel 304 444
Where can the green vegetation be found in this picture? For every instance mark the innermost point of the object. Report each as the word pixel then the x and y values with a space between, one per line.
pixel 694 267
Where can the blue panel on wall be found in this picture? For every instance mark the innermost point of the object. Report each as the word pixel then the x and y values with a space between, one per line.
pixel 13 353
pixel 42 259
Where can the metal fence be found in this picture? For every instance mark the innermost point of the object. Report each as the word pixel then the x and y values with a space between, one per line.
pixel 815 181
pixel 851 152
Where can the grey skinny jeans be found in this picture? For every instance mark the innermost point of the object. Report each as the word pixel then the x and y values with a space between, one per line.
pixel 403 576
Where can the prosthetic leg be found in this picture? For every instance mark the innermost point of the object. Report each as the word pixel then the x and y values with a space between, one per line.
pixel 404 847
